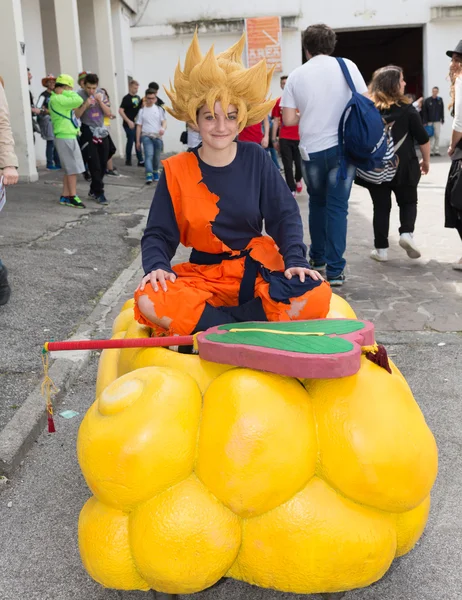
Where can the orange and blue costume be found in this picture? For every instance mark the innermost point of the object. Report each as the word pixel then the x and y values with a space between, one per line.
pixel 234 273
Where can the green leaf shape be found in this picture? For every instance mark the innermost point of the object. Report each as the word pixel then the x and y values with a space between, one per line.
pixel 309 344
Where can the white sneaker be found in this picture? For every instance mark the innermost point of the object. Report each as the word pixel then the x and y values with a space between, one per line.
pixel 406 241
pixel 380 254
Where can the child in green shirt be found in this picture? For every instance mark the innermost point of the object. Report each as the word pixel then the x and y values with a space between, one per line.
pixel 62 103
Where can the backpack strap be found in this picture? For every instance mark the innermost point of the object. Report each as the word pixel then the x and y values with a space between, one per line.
pixel 346 73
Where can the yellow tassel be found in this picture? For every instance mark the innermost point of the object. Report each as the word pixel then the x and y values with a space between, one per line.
pixel 48 389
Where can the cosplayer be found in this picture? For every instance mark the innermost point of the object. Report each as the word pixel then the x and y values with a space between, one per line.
pixel 215 200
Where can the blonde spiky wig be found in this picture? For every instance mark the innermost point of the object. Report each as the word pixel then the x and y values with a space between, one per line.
pixel 208 79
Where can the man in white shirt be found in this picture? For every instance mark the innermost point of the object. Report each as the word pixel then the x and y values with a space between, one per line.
pixel 314 98
pixel 151 124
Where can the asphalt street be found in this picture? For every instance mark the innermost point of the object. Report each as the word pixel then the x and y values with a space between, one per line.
pixel 60 262
pixel 416 308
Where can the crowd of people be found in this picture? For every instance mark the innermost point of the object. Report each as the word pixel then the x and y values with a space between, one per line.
pixel 302 126
pixel 83 120
pixel 233 273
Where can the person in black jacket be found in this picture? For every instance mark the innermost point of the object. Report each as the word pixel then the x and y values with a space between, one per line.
pixel 387 92
pixel 433 114
pixel 453 194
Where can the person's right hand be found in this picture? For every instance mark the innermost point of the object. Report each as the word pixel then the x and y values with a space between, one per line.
pixel 156 278
pixel 276 145
pixel 138 146
pixel 10 175
pixel 131 125
pixel 424 167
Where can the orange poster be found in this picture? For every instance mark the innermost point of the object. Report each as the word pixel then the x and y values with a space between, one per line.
pixel 264 41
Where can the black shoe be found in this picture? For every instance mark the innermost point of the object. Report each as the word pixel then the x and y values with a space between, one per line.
pixel 317 266
pixel 141 163
pixel 5 290
pixel 102 200
pixel 128 163
pixel 437 154
pixel 87 175
pixel 337 281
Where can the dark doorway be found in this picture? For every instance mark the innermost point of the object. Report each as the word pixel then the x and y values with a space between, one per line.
pixel 375 48
pixel 371 49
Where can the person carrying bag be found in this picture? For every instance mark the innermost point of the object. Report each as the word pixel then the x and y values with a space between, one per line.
pixel 402 176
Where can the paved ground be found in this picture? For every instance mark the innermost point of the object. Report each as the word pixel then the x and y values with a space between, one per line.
pixel 60 261
pixel 415 306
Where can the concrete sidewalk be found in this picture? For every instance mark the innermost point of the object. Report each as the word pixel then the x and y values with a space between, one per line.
pixel 60 261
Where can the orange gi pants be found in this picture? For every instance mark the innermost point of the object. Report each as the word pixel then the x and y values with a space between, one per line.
pixel 218 285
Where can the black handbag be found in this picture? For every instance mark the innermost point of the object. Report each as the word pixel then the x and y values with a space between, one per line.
pixel 184 137
pixel 455 185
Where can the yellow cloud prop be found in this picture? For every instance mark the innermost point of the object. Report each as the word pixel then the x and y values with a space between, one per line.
pixel 207 79
pixel 202 470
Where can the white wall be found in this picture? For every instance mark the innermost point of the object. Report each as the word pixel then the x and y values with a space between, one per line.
pixel 35 56
pixel 159 12
pixel 156 55
pixel 50 37
pixel 353 14
pixel 87 36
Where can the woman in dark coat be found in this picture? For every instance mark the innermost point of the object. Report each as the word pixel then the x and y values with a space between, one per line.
pixel 453 196
pixel 387 92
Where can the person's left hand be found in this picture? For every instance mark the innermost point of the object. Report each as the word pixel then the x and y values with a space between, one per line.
pixel 10 175
pixel 161 131
pixel 301 272
pixel 265 142
pixel 424 167
pixel 450 151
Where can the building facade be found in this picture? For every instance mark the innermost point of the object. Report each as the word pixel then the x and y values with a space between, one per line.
pixel 414 34
pixel 61 36
pixel 144 39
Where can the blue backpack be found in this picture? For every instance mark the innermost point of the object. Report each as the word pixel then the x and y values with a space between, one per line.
pixel 362 133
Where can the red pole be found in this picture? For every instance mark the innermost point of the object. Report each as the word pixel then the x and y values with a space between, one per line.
pixel 177 340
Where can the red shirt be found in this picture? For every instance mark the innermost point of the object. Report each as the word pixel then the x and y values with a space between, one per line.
pixel 253 133
pixel 285 131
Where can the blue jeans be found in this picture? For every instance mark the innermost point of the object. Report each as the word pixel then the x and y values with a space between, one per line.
pixel 131 137
pixel 328 209
pixel 274 156
pixel 152 150
pixel 52 155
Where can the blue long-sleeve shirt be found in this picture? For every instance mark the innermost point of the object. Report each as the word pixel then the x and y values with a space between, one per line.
pixel 251 192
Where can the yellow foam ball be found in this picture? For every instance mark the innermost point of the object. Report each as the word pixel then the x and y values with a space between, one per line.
pixel 127 356
pixel 340 309
pixel 123 321
pixel 130 303
pixel 184 540
pixel 202 371
pixel 108 365
pixel 365 426
pixel 105 549
pixel 257 444
pixel 410 526
pixel 140 437
pixel 319 541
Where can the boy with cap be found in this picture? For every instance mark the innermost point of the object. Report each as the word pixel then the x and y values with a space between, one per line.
pixel 61 105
